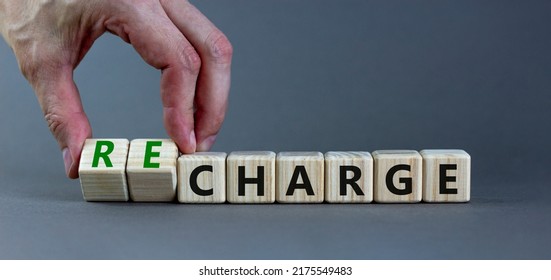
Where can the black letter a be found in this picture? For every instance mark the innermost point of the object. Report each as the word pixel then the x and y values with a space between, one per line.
pixel 300 170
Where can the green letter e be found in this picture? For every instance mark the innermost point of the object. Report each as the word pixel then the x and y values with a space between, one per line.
pixel 149 153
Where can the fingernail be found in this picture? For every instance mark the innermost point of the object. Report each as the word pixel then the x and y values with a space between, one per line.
pixel 192 141
pixel 206 144
pixel 68 160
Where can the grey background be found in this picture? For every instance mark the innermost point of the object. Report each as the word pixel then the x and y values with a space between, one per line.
pixel 312 75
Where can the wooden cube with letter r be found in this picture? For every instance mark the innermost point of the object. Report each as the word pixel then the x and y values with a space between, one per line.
pixel 102 170
pixel 348 177
pixel 151 170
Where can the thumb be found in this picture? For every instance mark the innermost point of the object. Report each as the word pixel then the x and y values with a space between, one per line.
pixel 60 101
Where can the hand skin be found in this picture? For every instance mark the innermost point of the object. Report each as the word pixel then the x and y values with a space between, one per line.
pixel 50 38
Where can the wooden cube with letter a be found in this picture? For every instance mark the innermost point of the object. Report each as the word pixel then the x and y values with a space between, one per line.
pixel 102 170
pixel 202 178
pixel 348 177
pixel 151 170
pixel 397 176
pixel 251 177
pixel 446 176
pixel 300 177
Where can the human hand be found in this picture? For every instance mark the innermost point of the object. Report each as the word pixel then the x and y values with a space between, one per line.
pixel 50 38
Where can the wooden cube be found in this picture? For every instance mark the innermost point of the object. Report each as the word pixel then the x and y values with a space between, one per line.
pixel 151 170
pixel 446 176
pixel 202 178
pixel 348 177
pixel 397 176
pixel 300 177
pixel 251 177
pixel 102 170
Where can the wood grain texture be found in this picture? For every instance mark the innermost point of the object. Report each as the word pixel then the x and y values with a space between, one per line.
pixel 207 181
pixel 251 163
pixel 337 188
pixel 107 181
pixel 305 167
pixel 155 181
pixel 446 176
pixel 384 161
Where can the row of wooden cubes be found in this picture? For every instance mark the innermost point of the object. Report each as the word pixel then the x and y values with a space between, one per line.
pixel 153 170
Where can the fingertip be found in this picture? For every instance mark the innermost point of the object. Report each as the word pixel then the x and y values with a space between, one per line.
pixel 186 142
pixel 205 144
pixel 73 171
pixel 68 161
pixel 192 142
pixel 179 125
pixel 71 161
pixel 186 145
pixel 81 131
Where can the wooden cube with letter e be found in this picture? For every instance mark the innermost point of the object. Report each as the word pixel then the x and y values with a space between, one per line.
pixel 151 170
pixel 446 176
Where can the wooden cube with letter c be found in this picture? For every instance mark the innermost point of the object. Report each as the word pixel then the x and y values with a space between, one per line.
pixel 202 178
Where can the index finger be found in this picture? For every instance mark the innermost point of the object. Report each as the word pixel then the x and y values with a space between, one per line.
pixel 213 83
pixel 163 46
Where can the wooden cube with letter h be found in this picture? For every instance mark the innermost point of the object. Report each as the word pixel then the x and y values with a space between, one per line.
pixel 251 177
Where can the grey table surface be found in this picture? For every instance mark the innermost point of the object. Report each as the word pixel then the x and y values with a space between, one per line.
pixel 311 75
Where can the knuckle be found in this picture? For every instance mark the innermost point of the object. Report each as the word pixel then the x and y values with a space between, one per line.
pixel 140 3
pixel 219 47
pixel 29 65
pixel 164 3
pixel 191 60
pixel 64 124
pixel 34 65
pixel 55 122
pixel 28 69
